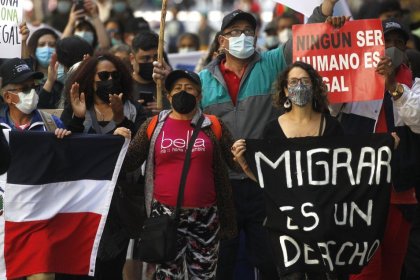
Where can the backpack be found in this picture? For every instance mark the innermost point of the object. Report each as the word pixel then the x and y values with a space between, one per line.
pixel 215 126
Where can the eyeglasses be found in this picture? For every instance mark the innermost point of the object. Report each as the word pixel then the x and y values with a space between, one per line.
pixel 238 32
pixel 104 75
pixel 304 80
pixel 25 89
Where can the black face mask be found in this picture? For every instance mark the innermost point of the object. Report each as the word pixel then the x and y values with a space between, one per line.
pixel 183 102
pixel 105 88
pixel 146 70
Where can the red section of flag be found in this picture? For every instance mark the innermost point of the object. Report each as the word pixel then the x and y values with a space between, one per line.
pixel 62 244
pixel 346 58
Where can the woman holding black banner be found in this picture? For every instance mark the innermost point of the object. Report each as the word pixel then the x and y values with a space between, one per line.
pixel 206 213
pixel 302 95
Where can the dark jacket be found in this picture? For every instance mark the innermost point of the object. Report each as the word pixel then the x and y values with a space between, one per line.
pixel 53 99
pixel 4 154
pixel 37 123
pixel 134 114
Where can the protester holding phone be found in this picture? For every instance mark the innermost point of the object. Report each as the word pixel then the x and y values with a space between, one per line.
pixel 84 22
pixel 143 53
pixel 302 94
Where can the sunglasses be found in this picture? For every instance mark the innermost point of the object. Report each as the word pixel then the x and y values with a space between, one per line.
pixel 104 75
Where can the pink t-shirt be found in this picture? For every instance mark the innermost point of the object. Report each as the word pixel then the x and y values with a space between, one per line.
pixel 170 148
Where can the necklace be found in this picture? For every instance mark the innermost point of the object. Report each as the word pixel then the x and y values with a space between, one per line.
pixel 99 115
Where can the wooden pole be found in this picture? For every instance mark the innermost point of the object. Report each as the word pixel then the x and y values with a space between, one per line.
pixel 160 52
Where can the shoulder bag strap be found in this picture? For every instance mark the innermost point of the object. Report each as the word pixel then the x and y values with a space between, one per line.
pixel 48 121
pixel 186 167
pixel 321 126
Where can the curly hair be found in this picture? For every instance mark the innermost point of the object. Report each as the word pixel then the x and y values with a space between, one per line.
pixel 319 100
pixel 85 76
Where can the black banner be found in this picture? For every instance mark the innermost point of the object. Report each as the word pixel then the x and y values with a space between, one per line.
pixel 326 199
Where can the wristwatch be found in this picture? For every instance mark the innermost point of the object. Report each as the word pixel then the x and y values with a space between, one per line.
pixel 399 90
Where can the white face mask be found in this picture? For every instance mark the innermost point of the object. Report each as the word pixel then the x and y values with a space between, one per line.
pixel 186 50
pixel 27 101
pixel 271 41
pixel 285 35
pixel 241 47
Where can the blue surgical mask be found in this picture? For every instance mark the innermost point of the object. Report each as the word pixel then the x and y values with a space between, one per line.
pixel 241 47
pixel 272 41
pixel 61 75
pixel 43 55
pixel 119 7
pixel 86 35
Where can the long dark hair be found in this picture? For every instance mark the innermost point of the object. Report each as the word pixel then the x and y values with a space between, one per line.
pixel 33 41
pixel 319 100
pixel 85 76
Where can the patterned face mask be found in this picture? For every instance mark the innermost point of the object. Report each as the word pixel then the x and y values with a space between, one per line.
pixel 300 94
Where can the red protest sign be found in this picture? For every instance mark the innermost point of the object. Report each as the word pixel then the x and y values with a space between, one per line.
pixel 346 58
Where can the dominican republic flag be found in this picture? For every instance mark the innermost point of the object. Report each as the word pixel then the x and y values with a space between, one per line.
pixel 57 194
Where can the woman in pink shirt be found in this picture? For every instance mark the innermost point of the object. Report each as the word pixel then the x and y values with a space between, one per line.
pixel 207 212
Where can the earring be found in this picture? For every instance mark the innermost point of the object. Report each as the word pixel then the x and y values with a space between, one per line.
pixel 287 104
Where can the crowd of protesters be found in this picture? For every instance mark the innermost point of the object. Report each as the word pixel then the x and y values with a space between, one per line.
pixel 96 65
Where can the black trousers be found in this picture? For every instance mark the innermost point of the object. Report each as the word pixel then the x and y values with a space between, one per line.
pixel 412 259
pixel 250 214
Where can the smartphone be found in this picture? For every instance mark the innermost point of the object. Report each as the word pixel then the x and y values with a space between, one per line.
pixel 79 4
pixel 147 97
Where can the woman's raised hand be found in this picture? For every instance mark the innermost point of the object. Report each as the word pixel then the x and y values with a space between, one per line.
pixel 117 106
pixel 77 101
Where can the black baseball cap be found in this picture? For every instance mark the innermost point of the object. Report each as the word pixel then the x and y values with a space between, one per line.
pixel 71 50
pixel 393 24
pixel 238 15
pixel 16 71
pixel 178 74
pixel 390 6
